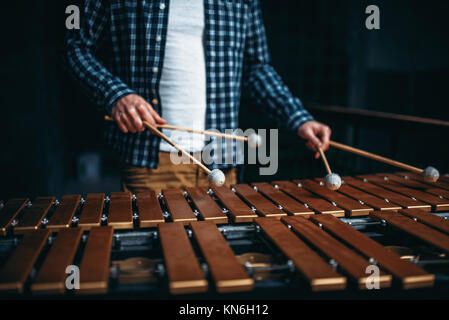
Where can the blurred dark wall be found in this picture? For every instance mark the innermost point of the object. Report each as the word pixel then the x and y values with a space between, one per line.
pixel 321 49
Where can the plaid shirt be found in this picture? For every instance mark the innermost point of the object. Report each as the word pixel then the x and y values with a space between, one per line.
pixel 237 59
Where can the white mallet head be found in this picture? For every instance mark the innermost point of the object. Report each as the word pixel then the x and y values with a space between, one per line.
pixel 254 141
pixel 431 174
pixel 217 178
pixel 333 181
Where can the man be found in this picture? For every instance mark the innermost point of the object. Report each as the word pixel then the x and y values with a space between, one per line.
pixel 186 61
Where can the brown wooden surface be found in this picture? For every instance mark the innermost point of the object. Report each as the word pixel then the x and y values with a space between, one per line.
pixel 419 178
pixel 439 192
pixel 64 212
pixel 92 211
pixel 352 207
pixel 17 268
pixel 348 260
pixel 393 197
pixel 94 267
pixel 150 212
pixel 444 178
pixel 437 203
pixel 32 217
pixel 320 275
pixel 416 229
pixel 264 207
pixel 409 274
pixel 180 211
pixel 9 212
pixel 291 206
pixel 427 218
pixel 184 271
pixel 121 211
pixel 367 198
pixel 207 207
pixel 228 274
pixel 238 210
pixel 52 274
pixel 314 202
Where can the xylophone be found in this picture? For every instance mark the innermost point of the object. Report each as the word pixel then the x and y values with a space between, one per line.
pixel 284 236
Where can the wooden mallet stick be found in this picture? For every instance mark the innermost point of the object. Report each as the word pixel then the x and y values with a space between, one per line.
pixel 216 176
pixel 332 180
pixel 429 174
pixel 253 140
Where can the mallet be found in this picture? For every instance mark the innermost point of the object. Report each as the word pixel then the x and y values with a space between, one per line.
pixel 332 180
pixel 216 177
pixel 254 140
pixel 429 174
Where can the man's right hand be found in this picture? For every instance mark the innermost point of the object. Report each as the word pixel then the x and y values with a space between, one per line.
pixel 130 112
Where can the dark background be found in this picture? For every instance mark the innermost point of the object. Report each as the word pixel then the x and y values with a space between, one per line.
pixel 321 48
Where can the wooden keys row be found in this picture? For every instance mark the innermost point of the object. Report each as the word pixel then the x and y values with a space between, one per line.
pixel 52 275
pixel 241 204
pixel 325 252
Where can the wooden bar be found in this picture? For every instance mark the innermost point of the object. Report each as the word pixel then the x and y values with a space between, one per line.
pixel 401 181
pixel 10 211
pixel 416 229
pixel 32 217
pixel 415 177
pixel 238 210
pixel 444 178
pixel 121 211
pixel 437 203
pixel 150 212
pixel 352 208
pixel 52 275
pixel 64 213
pixel 184 271
pixel 312 201
pixel 427 218
pixel 94 268
pixel 92 211
pixel 349 261
pixel 319 274
pixel 375 202
pixel 180 210
pixel 207 207
pixel 410 275
pixel 291 206
pixel 228 274
pixel 16 270
pixel 439 193
pixel 264 207
pixel 392 197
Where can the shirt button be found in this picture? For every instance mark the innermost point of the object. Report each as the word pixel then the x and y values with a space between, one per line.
pixel 155 70
pixel 155 101
pixel 162 6
pixel 158 39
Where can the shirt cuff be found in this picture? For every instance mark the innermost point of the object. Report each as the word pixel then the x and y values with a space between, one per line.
pixel 298 119
pixel 116 93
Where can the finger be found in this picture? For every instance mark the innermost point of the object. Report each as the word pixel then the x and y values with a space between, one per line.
pixel 317 155
pixel 135 118
pixel 312 138
pixel 118 121
pixel 326 138
pixel 147 114
pixel 144 113
pixel 157 117
pixel 128 123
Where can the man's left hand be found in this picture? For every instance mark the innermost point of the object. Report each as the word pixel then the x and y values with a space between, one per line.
pixel 317 136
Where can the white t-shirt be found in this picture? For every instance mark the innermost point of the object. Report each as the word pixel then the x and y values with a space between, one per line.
pixel 183 80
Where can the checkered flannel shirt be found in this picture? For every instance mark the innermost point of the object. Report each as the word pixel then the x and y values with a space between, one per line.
pixel 237 59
